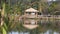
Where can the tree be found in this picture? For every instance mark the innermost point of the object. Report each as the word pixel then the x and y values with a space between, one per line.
pixel 42 6
pixel 3 11
pixel 52 8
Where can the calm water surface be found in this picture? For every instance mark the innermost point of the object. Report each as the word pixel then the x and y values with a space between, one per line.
pixel 35 26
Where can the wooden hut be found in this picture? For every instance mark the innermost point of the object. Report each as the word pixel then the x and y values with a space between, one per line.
pixel 31 13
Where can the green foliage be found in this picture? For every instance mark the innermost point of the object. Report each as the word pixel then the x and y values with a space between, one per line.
pixel 4 29
pixel 52 7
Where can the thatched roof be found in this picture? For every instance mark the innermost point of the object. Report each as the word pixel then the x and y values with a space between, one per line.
pixel 31 10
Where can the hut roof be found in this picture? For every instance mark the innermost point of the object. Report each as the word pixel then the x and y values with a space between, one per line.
pixel 31 10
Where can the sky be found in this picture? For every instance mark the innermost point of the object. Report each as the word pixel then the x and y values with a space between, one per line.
pixel 51 0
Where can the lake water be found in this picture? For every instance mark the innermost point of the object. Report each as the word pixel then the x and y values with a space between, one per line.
pixel 34 26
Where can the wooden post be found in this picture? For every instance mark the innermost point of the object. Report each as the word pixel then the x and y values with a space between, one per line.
pixel 24 15
pixel 36 22
pixel 36 14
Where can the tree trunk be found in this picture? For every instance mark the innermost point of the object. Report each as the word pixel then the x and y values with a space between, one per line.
pixel 2 14
pixel 40 7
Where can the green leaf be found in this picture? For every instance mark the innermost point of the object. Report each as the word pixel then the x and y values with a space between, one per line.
pixel 4 30
pixel 5 26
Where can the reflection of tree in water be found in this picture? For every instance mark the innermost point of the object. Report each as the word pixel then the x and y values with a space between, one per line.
pixel 54 26
pixel 43 27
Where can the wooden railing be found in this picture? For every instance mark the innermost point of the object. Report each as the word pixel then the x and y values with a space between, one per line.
pixel 49 16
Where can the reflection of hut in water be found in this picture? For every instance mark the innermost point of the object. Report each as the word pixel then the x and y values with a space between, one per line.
pixel 31 13
pixel 30 23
